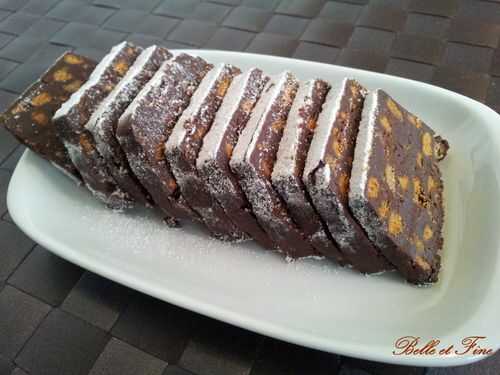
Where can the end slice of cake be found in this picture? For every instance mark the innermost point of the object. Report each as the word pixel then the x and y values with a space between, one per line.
pixel 147 123
pixel 29 118
pixel 213 160
pixel 290 161
pixel 396 190
pixel 328 170
pixel 104 120
pixel 253 161
pixel 183 146
pixel 71 118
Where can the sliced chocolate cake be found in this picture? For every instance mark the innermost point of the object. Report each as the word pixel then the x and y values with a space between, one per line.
pixel 29 118
pixel 253 160
pixel 147 123
pixel 71 118
pixel 396 190
pixel 104 121
pixel 328 170
pixel 217 148
pixel 183 146
pixel 290 161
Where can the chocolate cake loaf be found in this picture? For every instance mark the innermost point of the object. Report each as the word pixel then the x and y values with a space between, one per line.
pixel 147 123
pixel 290 161
pixel 182 149
pixel 103 122
pixel 71 118
pixel 217 148
pixel 29 118
pixel 396 190
pixel 253 160
pixel 328 170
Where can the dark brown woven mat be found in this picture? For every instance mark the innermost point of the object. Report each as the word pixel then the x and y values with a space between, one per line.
pixel 55 318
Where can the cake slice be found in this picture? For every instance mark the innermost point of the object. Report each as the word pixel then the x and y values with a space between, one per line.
pixel 328 170
pixel 71 118
pixel 396 190
pixel 147 123
pixel 29 118
pixel 253 160
pixel 183 146
pixel 290 161
pixel 104 120
pixel 213 160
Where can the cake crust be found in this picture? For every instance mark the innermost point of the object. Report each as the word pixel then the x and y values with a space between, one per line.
pixel 396 191
pixel 328 171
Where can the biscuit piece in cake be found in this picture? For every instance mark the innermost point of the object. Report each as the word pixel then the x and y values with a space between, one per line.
pixel 71 118
pixel 253 160
pixel 147 123
pixel 218 145
pixel 29 118
pixel 103 122
pixel 328 170
pixel 396 190
pixel 183 146
pixel 290 161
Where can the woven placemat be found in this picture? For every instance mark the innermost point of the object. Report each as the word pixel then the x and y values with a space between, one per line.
pixel 56 318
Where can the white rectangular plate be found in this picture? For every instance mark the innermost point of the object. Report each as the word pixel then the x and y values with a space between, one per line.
pixel 309 302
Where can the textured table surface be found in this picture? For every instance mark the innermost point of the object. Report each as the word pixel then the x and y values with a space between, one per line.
pixel 56 318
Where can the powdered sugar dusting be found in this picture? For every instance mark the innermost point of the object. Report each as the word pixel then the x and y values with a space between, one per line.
pixel 153 83
pixel 223 118
pixel 125 88
pixel 206 85
pixel 247 139
pixel 287 152
pixel 364 143
pixel 94 78
pixel 326 119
